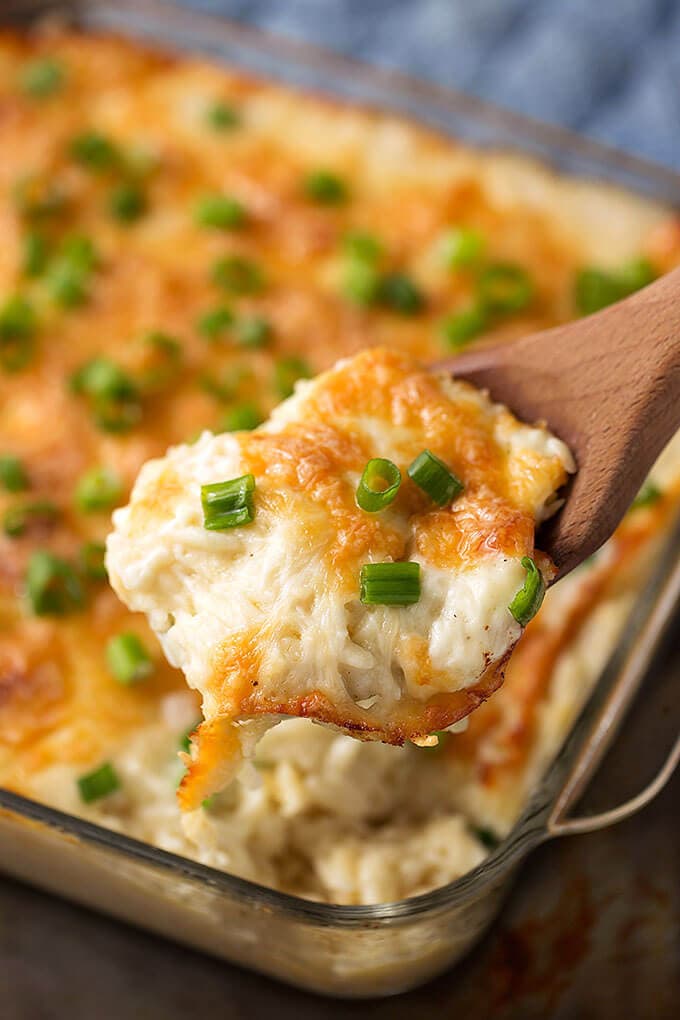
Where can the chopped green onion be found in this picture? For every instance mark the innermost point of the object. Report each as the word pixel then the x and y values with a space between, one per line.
pixel 67 284
pixel 253 332
pixel 42 78
pixel 221 212
pixel 91 561
pixel 127 203
pixel 636 274
pixel 17 330
pixel 459 329
pixel 94 151
pixel 79 250
pixel 98 489
pixel 102 377
pixel 99 783
pixel 18 519
pixel 163 356
pixel 462 247
pixel 228 504
pixel 287 371
pixel 362 246
pixel 238 275
pixel 52 585
pixel 242 418
pixel 398 292
pixel 361 282
pixel 649 494
pixel 486 837
pixel 128 659
pixel 528 599
pixel 112 393
pixel 390 584
pixel 13 476
pixel 504 287
pixel 325 187
pixel 435 479
pixel 596 289
pixel 35 253
pixel 221 116
pixel 213 324
pixel 379 485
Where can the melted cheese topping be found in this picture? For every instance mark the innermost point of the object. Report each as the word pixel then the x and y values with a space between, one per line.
pixel 62 713
pixel 265 619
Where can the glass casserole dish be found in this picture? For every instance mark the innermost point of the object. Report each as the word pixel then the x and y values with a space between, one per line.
pixel 365 950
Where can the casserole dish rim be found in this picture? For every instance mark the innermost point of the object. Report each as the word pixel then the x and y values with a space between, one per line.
pixel 128 17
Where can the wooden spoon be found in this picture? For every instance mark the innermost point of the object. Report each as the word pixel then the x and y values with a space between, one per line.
pixel 609 386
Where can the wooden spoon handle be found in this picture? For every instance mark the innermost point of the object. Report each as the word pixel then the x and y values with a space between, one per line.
pixel 609 385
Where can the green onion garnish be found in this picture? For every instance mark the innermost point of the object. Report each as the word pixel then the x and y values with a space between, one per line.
pixel 67 284
pixel 17 331
pixel 35 253
pixel 163 357
pixel 52 585
pixel 325 187
pixel 91 561
pixel 42 78
pixel 398 292
pixel 128 659
pixel 379 485
pixel 41 513
pixel 636 274
pixel 69 275
pixel 486 837
pixel 595 289
pixel 214 323
pixel 185 739
pixel 528 599
pixel 98 489
pixel 242 418
pixel 433 476
pixel 361 281
pixel 13 475
pixel 99 783
pixel 112 393
pixel 94 151
pixel 504 287
pixel 222 117
pixel 459 329
pixel 253 332
pixel 390 584
pixel 220 211
pixel 287 371
pixel 127 203
pixel 364 247
pixel 649 494
pixel 238 275
pixel 228 504
pixel 79 250
pixel 462 247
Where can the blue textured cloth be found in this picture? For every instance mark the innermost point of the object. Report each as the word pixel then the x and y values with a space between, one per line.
pixel 608 68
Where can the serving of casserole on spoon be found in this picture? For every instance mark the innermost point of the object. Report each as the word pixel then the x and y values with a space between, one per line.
pixel 366 558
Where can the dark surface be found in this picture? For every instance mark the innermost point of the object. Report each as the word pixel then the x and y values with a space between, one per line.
pixel 592 930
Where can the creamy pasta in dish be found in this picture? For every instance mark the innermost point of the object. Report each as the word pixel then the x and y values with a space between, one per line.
pixel 180 245
pixel 316 581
